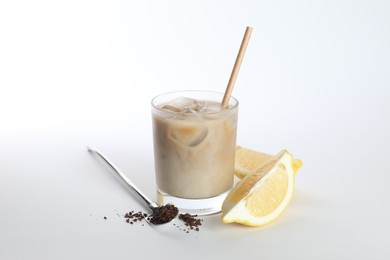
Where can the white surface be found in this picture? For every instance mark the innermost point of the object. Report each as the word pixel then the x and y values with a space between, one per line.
pixel 315 80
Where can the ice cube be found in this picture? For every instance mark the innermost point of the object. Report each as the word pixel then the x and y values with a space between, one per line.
pixel 170 108
pixel 183 103
pixel 212 107
pixel 189 135
pixel 210 110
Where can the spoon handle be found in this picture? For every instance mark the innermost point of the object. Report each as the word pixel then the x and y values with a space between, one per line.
pixel 149 203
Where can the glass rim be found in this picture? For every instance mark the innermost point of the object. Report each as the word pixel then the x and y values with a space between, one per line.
pixel 231 106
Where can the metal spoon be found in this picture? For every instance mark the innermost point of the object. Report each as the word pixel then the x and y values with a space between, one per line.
pixel 151 205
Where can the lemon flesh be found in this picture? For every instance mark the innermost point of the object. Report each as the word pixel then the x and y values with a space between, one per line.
pixel 247 161
pixel 263 195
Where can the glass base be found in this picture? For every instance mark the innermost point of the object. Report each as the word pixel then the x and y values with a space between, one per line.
pixel 200 207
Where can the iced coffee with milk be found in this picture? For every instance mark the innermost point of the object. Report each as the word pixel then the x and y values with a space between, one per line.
pixel 194 147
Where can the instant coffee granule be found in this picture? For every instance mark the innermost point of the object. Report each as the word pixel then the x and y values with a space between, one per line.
pixel 191 221
pixel 132 216
pixel 163 214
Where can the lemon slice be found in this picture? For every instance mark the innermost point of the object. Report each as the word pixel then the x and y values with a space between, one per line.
pixel 247 161
pixel 263 195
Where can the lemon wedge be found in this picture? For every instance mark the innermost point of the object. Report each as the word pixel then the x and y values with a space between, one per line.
pixel 247 161
pixel 262 195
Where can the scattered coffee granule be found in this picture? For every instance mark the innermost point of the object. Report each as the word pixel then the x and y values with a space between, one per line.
pixel 132 216
pixel 163 214
pixel 191 221
pixel 105 217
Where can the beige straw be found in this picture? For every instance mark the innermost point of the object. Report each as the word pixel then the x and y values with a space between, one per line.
pixel 236 68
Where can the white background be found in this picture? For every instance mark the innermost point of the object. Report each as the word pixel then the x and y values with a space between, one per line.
pixel 315 80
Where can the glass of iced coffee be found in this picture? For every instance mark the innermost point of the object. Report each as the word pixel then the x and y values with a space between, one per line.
pixel 194 148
